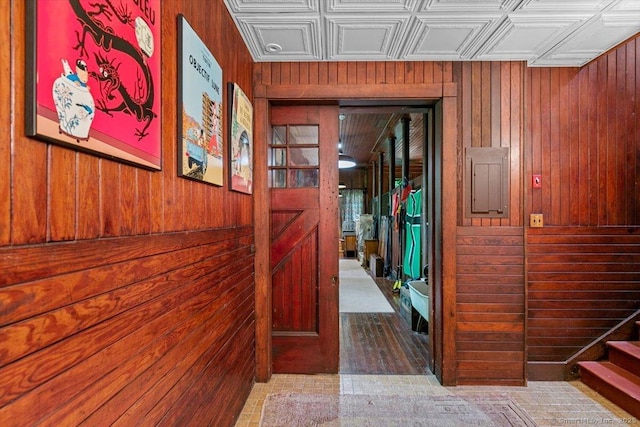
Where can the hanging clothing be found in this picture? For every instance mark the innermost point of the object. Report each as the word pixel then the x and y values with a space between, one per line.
pixel 412 263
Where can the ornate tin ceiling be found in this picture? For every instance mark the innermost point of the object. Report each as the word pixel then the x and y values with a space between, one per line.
pixel 541 32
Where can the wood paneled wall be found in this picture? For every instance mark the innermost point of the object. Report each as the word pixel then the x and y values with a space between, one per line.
pixel 126 295
pixel 581 282
pixel 578 128
pixel 362 72
pixel 490 101
pixel 490 323
pixel 583 137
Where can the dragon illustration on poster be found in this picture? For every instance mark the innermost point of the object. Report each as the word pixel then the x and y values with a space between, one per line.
pixel 134 97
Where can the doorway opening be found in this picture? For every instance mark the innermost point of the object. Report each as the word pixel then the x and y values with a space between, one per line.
pixel 387 204
pixel 441 272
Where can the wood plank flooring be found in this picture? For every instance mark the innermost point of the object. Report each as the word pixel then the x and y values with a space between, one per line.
pixel 381 343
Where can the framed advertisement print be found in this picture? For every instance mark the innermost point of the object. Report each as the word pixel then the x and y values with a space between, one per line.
pixel 200 143
pixel 240 140
pixel 93 77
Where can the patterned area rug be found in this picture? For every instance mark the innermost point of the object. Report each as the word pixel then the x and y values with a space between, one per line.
pixel 355 410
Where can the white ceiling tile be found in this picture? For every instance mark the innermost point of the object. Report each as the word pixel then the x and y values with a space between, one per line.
pixel 562 5
pixel 526 36
pixel 349 37
pixel 597 36
pixel 467 6
pixel 272 6
pixel 542 32
pixel 624 5
pixel 375 6
pixel 299 37
pixel 443 37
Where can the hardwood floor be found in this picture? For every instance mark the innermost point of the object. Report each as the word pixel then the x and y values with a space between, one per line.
pixel 381 343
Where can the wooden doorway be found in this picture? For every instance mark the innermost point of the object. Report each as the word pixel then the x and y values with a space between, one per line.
pixel 304 239
pixel 445 296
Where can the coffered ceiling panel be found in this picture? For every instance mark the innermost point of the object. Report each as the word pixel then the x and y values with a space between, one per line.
pixel 349 38
pixel 446 37
pixel 591 39
pixel 467 6
pixel 525 36
pixel 295 38
pixel 541 32
pixel 370 6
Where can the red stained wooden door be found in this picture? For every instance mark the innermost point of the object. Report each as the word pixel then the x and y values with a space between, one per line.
pixel 303 178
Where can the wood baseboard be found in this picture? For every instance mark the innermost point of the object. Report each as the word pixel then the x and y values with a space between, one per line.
pixel 545 371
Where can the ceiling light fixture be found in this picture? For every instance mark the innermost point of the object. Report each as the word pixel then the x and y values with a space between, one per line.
pixel 341 185
pixel 273 47
pixel 345 162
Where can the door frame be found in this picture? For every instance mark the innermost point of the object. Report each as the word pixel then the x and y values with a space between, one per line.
pixel 446 94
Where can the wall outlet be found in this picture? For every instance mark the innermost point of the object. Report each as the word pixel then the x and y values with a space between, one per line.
pixel 536 220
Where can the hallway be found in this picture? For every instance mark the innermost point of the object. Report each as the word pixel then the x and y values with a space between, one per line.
pixel 379 342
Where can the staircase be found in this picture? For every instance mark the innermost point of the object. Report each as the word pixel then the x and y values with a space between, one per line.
pixel 617 379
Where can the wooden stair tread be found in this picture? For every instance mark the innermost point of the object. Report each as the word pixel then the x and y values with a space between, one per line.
pixel 630 347
pixel 614 375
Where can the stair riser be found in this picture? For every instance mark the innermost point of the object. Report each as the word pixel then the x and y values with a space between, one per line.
pixel 625 360
pixel 621 399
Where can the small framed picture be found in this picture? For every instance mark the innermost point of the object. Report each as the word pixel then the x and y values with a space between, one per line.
pixel 240 140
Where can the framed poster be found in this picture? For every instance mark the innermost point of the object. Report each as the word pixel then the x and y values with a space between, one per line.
pixel 200 145
pixel 93 77
pixel 240 140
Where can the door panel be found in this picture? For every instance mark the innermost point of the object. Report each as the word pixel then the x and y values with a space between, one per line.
pixel 303 178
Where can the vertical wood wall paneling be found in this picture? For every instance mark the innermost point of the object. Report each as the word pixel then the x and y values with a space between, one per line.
pixel 137 286
pixel 62 194
pixel 88 201
pixel 490 106
pixel 6 88
pixel 583 131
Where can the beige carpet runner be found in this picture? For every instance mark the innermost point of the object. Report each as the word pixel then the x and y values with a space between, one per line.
pixel 355 410
pixel 358 292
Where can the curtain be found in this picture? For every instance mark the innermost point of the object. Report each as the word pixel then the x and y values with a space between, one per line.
pixel 351 207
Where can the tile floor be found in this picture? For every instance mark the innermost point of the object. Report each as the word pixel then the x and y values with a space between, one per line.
pixel 548 403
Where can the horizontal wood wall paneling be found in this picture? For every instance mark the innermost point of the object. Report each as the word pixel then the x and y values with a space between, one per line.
pixel 490 323
pixel 210 332
pixel 582 281
pixel 29 299
pixel 26 263
pixel 34 333
pixel 99 350
pixel 144 322
pixel 139 394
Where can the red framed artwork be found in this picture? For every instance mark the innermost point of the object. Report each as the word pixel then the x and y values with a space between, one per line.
pixel 93 77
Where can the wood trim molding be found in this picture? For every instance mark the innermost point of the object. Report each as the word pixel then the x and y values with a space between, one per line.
pixel 449 232
pixel 352 91
pixel 262 227
pixel 263 95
